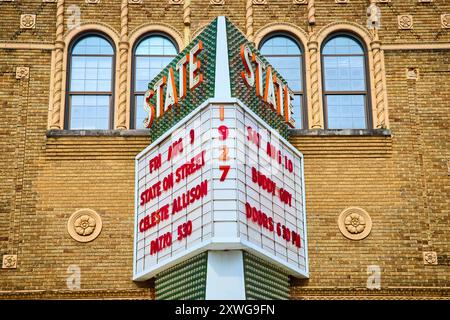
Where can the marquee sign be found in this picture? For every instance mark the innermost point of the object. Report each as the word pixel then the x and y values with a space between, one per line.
pixel 222 177
pixel 190 78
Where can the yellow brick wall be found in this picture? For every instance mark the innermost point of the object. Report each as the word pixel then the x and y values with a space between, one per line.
pixel 10 21
pixel 401 180
pixel 154 12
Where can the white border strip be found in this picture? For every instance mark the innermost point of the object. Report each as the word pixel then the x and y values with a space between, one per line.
pixel 136 211
pixel 221 244
pixel 222 86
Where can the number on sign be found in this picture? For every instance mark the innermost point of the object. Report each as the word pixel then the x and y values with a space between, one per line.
pixel 225 170
pixel 184 230
pixel 223 131
pixel 224 153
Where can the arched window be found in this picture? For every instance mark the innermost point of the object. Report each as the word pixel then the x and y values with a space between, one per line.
pixel 90 99
pixel 345 85
pixel 151 54
pixel 284 54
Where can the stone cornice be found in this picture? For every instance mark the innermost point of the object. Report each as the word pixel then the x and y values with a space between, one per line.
pixel 144 294
pixel 387 293
pixel 386 46
pixel 302 293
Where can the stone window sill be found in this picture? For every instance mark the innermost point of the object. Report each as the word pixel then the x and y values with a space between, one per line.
pixel 341 132
pixel 293 132
pixel 97 133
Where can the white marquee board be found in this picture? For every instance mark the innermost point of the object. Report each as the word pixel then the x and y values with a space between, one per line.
pixel 214 213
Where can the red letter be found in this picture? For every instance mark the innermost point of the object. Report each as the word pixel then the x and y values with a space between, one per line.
pixel 143 198
pixel 248 210
pixel 254 175
pixel 270 224
pixel 247 75
pixel 225 170
pixel 149 108
pixel 154 247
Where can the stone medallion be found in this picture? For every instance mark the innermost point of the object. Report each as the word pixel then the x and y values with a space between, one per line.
pixel 355 223
pixel 84 225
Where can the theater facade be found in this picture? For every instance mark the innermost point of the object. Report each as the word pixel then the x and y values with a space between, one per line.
pixel 225 149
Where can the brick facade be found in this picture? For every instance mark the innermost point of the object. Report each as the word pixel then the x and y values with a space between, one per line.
pixel 399 174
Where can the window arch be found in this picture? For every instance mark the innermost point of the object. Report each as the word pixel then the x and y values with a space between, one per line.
pixel 90 98
pixel 345 83
pixel 152 53
pixel 285 54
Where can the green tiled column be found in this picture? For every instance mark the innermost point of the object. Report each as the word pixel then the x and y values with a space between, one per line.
pixel 187 280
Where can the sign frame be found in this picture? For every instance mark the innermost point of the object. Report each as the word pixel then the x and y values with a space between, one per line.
pixel 222 243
